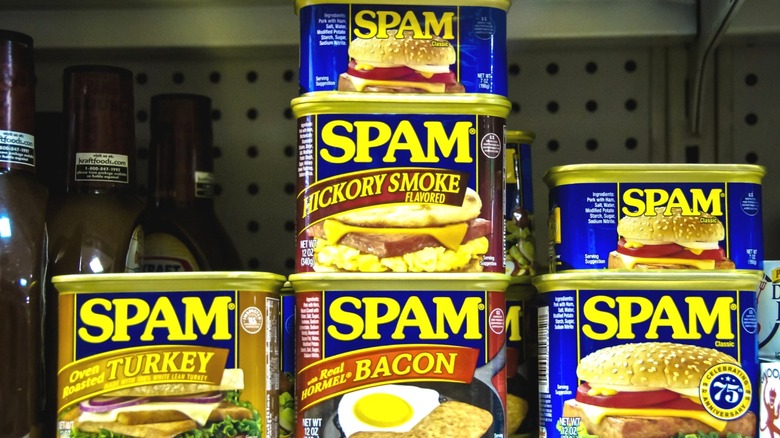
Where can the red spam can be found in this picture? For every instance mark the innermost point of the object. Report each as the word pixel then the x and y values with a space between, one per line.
pixel 400 184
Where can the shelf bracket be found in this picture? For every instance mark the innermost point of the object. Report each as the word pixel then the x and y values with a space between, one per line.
pixel 714 17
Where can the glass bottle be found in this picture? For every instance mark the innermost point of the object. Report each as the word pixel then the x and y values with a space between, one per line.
pixel 183 232
pixel 95 227
pixel 22 243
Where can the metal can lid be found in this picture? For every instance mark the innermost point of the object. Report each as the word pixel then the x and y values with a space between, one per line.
pixel 340 102
pixel 605 279
pixel 169 281
pixel 500 4
pixel 308 281
pixel 516 137
pixel 656 172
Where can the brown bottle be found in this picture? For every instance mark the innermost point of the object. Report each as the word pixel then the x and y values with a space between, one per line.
pixel 95 228
pixel 22 243
pixel 182 231
pixel 51 152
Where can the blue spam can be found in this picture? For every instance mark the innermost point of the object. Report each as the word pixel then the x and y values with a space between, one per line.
pixel 655 216
pixel 400 184
pixel 650 354
pixel 409 46
pixel 287 354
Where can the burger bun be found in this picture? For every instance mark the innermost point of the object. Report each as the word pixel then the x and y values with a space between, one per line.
pixel 673 227
pixel 649 365
pixel 406 50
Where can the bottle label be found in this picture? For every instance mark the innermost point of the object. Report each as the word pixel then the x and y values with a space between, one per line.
pixel 98 166
pixel 135 251
pixel 204 184
pixel 166 253
pixel 17 147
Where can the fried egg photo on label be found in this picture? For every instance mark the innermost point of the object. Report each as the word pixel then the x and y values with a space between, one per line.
pixel 386 408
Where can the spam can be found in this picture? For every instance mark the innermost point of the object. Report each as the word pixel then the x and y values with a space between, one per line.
pixel 769 313
pixel 408 46
pixel 520 244
pixel 158 354
pixel 656 355
pixel 400 184
pixel 401 355
pixel 287 357
pixel 521 356
pixel 655 216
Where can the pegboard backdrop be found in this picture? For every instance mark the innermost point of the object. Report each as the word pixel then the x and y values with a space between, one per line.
pixel 254 136
pixel 599 105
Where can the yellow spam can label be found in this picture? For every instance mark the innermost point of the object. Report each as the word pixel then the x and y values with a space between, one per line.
pixel 190 354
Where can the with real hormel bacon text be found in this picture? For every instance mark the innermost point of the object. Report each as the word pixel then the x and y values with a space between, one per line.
pixel 368 367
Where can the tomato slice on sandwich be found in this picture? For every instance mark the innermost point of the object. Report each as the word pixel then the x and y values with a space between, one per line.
pixel 399 73
pixel 669 250
pixel 656 399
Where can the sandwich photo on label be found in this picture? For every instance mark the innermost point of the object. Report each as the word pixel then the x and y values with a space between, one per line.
pixel 650 390
pixel 406 237
pixel 670 241
pixel 168 411
pixel 400 64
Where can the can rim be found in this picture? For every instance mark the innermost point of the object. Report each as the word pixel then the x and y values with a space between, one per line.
pixel 606 279
pixel 517 136
pixel 385 281
pixel 169 281
pixel 500 4
pixel 340 102
pixel 653 172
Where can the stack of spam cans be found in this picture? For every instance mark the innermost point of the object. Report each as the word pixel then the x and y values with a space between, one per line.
pixel 648 320
pixel 400 267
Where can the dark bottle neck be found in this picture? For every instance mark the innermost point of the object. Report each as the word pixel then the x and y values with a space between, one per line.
pixel 98 108
pixel 17 103
pixel 181 165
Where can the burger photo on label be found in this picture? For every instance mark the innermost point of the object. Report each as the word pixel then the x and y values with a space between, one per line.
pixel 400 64
pixel 670 241
pixel 167 411
pixel 404 238
pixel 652 390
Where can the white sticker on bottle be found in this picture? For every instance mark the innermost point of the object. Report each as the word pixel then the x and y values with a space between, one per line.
pixel 204 184
pixel 98 166
pixel 17 147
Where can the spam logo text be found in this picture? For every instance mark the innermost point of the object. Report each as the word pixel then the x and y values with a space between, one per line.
pixel 514 323
pixel 409 318
pixel 679 318
pixel 123 321
pixel 691 202
pixel 423 25
pixel 343 141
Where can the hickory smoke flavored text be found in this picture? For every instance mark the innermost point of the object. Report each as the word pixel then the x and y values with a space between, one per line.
pixel 401 192
pixel 425 346
pixel 185 347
